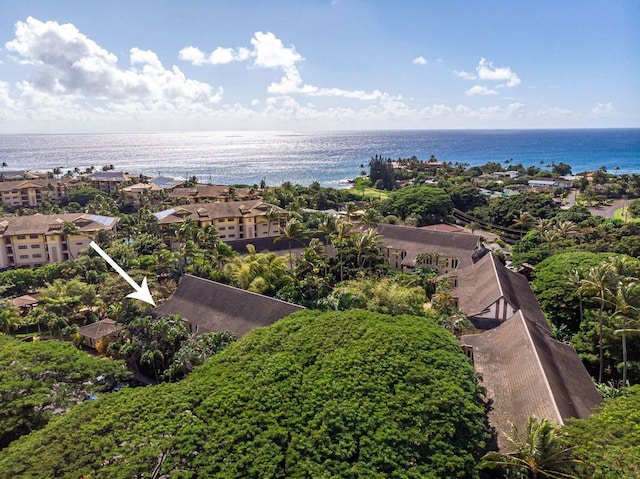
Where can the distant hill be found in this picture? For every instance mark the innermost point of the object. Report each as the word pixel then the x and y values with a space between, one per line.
pixel 338 394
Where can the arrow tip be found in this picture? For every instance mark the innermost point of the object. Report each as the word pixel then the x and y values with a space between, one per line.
pixel 143 294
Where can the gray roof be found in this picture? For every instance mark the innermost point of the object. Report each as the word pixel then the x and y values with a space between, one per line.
pixel 208 191
pixel 482 284
pixel 209 306
pixel 528 373
pixel 100 329
pixel 467 248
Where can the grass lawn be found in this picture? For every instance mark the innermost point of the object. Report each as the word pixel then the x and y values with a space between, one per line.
pixel 619 215
pixel 368 192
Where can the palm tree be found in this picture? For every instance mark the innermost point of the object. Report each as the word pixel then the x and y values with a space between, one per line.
pixel 542 224
pixel 627 308
pixel 271 215
pixel 524 222
pixel 366 245
pixel 566 229
pixel 536 453
pixel 293 231
pixel 69 228
pixel 599 282
pixel 371 217
pixel 9 316
pixel 350 209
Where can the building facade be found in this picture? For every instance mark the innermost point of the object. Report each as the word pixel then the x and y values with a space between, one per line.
pixel 36 240
pixel 30 193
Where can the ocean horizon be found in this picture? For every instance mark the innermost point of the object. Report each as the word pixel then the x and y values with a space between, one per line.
pixel 330 157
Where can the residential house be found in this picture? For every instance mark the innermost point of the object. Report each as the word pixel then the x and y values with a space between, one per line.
pixel 511 174
pixel 93 333
pixel 525 371
pixel 133 193
pixel 35 240
pixel 30 193
pixel 109 181
pixel 560 182
pixel 212 193
pixel 24 303
pixel 233 220
pixel 489 293
pixel 206 306
pixel 407 248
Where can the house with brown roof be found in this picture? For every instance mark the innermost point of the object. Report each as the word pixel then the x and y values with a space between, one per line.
pixel 132 193
pixel 207 306
pixel 30 193
pixel 525 371
pixel 95 332
pixel 35 240
pixel 109 181
pixel 489 293
pixel 407 248
pixel 212 193
pixel 233 220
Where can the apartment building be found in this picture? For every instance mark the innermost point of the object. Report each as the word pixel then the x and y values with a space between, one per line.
pixel 109 181
pixel 233 220
pixel 212 193
pixel 30 193
pixel 35 240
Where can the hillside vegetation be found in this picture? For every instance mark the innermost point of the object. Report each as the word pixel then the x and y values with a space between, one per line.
pixel 316 395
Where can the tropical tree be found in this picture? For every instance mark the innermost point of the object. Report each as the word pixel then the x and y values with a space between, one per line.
pixel 627 301
pixel 524 222
pixel 67 229
pixel 293 231
pixel 537 452
pixel 9 316
pixel 566 229
pixel 271 215
pixel 599 282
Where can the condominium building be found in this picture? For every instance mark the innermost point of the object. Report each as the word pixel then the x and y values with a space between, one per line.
pixel 35 240
pixel 30 193
pixel 233 220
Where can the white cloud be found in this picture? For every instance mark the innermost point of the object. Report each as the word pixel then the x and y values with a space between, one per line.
pixel 69 63
pixel 219 56
pixel 464 75
pixel 480 90
pixel 487 71
pixel 602 110
pixel 420 60
pixel 193 55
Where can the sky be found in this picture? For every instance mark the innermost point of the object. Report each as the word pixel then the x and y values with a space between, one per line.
pixel 154 65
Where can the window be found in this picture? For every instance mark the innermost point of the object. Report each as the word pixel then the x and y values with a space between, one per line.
pixel 232 236
pixel 232 227
pixel 38 255
pixel 35 246
pixel 24 256
pixel 21 236
pixel 222 228
pixel 33 236
pixel 79 243
pixel 22 246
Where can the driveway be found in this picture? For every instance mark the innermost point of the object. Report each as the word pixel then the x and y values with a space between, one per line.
pixel 607 211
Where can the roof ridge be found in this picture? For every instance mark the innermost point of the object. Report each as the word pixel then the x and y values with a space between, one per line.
pixel 544 373
pixel 496 275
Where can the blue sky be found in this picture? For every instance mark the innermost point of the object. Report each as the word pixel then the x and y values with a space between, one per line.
pixel 111 66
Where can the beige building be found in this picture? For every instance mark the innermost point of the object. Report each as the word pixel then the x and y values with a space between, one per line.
pixel 109 181
pixel 233 220
pixel 35 240
pixel 134 192
pixel 212 193
pixel 30 193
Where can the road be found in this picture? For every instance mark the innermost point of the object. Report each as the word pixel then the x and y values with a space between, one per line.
pixel 608 211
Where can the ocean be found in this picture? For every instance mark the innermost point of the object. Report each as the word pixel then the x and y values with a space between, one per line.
pixel 331 158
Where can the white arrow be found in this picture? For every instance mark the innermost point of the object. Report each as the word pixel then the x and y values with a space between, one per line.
pixel 142 292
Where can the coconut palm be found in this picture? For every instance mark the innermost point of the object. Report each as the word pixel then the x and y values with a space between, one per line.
pixel 293 231
pixel 271 215
pixel 9 316
pixel 575 279
pixel 627 308
pixel 524 222
pixel 69 228
pixel 599 281
pixel 350 209
pixel 535 453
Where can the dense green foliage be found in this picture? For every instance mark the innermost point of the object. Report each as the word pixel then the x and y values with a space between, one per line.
pixel 425 204
pixel 608 442
pixel 42 378
pixel 337 394
pixel 557 294
pixel 504 211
